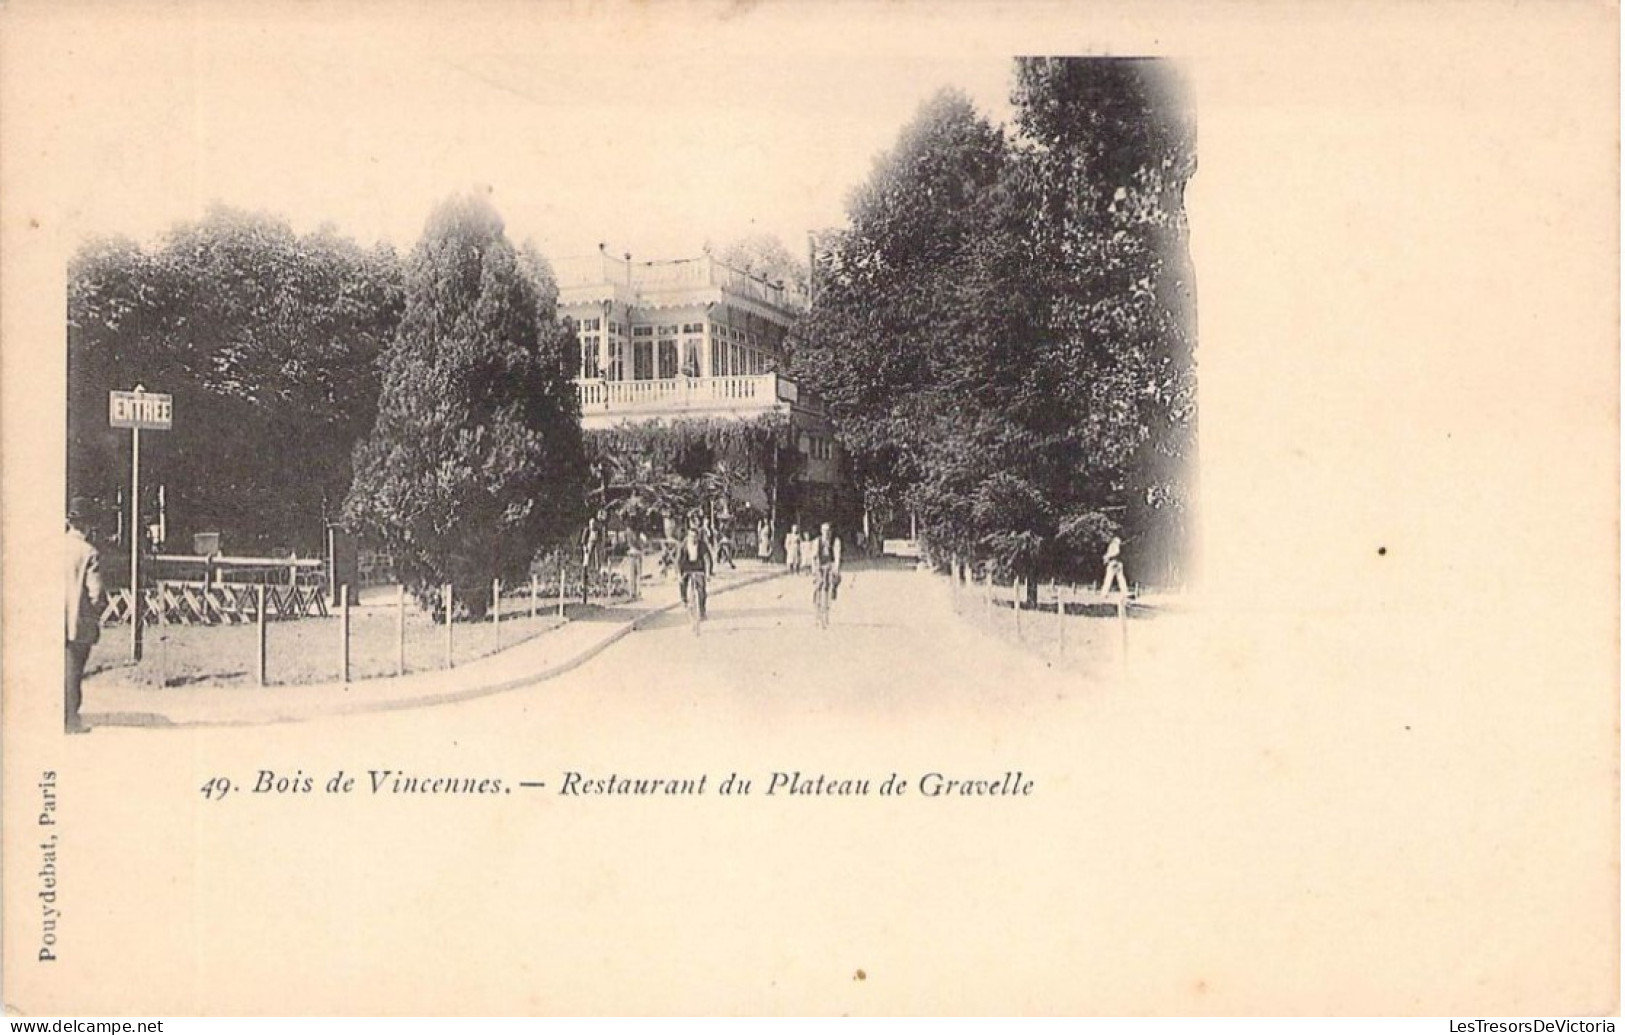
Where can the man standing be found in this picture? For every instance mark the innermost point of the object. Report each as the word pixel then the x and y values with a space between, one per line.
pixel 84 601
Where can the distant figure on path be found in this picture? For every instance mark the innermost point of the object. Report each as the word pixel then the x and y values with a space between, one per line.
pixel 826 559
pixel 764 541
pixel 84 602
pixel 1114 567
pixel 693 564
pixel 792 549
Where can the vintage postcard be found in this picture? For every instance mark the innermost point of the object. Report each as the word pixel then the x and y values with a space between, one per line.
pixel 810 509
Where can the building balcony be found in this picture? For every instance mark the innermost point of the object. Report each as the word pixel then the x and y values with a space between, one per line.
pixel 607 403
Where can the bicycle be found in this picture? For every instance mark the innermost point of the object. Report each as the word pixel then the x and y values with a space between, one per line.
pixel 695 584
pixel 821 596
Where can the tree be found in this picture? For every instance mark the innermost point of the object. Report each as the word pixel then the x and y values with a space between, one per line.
pixel 268 341
pixel 765 256
pixel 1002 330
pixel 670 470
pixel 1111 143
pixel 891 307
pixel 476 460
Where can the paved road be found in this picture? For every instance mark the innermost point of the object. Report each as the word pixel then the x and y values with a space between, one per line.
pixel 893 647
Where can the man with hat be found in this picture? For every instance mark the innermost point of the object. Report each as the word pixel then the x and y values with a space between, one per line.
pixel 84 599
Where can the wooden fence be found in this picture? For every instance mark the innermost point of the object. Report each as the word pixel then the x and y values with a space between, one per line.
pixel 219 603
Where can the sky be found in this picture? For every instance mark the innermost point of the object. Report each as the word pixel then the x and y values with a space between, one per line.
pixel 652 129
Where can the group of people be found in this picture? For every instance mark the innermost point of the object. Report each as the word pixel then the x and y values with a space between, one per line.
pixel 819 555
pixel 804 551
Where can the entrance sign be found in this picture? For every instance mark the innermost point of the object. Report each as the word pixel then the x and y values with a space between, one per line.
pixel 138 409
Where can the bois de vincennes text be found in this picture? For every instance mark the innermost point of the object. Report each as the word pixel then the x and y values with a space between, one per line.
pixel 574 783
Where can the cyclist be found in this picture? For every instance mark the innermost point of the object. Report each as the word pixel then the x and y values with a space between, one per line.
pixel 825 555
pixel 693 564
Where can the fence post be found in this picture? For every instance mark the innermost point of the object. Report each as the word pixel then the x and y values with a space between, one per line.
pixel 559 567
pixel 344 633
pixel 445 605
pixel 400 629
pixel 259 621
pixel 1060 620
pixel 1019 591
pixel 1122 621
pixel 163 632
pixel 533 594
pixel 496 609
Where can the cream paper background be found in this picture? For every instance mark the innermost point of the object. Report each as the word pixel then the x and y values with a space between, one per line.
pixel 1357 784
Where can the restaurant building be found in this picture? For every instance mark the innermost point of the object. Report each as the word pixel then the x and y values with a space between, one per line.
pixel 694 339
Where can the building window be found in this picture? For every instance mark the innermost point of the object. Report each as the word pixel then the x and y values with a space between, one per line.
pixel 592 323
pixel 668 358
pixel 589 359
pixel 589 348
pixel 691 357
pixel 693 328
pixel 642 331
pixel 719 359
pixel 643 360
pixel 617 361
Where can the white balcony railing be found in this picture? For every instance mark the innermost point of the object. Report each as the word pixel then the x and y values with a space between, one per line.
pixel 738 393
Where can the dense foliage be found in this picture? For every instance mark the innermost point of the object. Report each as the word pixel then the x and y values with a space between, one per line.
pixel 476 461
pixel 670 470
pixel 267 340
pixel 1002 329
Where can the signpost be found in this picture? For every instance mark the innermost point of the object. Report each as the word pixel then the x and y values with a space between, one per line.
pixel 137 410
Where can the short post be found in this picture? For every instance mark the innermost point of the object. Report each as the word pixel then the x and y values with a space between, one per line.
pixel 163 631
pixel 496 610
pixel 445 605
pixel 344 633
pixel 1019 592
pixel 1060 621
pixel 533 588
pixel 1122 621
pixel 559 557
pixel 400 629
pixel 259 622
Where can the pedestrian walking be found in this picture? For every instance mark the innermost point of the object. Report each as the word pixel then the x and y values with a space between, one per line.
pixel 1113 560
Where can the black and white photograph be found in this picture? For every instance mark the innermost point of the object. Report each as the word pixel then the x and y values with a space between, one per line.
pixel 804 510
